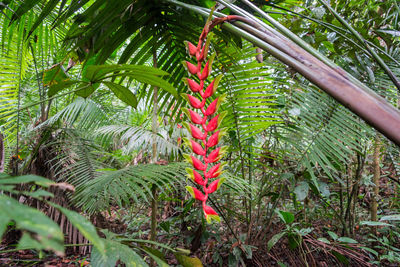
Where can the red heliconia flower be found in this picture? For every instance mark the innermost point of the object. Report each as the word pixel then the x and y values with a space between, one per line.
pixel 196 193
pixel 214 186
pixel 192 49
pixel 210 214
pixel 215 171
pixel 194 116
pixel 209 90
pixel 216 154
pixel 214 139
pixel 197 164
pixel 209 139
pixel 204 73
pixel 196 132
pixel 214 122
pixel 198 179
pixel 193 69
pixel 194 86
pixel 194 102
pixel 196 147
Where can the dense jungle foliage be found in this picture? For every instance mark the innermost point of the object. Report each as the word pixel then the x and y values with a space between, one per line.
pixel 94 121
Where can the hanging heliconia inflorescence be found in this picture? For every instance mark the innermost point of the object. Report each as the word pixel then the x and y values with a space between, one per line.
pixel 203 126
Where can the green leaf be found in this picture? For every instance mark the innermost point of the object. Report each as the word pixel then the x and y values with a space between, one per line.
pixel 50 5
pixel 275 240
pixel 301 191
pixel 113 252
pixel 4 219
pixel 395 217
pixel 49 234
pixel 123 93
pixel 86 89
pixel 84 226
pixel 323 239
pixel 371 250
pixel 156 255
pixel 333 235
pixel 372 223
pixel 347 240
pixel 26 179
pixel 55 88
pixel 285 216
pixel 56 79
pixel 23 8
pixel 96 72
pixel 187 261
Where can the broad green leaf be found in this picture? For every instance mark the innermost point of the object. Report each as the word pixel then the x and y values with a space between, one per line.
pixel 156 255
pixel 323 239
pixel 370 250
pixel 26 179
pixel 333 235
pixel 97 72
pixel 55 88
pixel 275 239
pixel 372 223
pixel 345 239
pixel 49 233
pixel 123 93
pixel 56 79
pixel 285 216
pixel 83 225
pixel 187 261
pixel 324 189
pixel 156 81
pixel 86 90
pixel 395 217
pixel 301 190
pixel 4 219
pixel 113 252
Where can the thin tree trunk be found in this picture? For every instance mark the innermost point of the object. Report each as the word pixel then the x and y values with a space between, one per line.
pixel 377 174
pixel 154 130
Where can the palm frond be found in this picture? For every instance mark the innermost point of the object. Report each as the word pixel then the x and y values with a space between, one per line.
pixel 322 133
pixel 134 138
pixel 129 184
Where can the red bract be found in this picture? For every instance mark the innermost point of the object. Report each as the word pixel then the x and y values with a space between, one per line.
pixel 216 154
pixel 214 139
pixel 213 124
pixel 195 87
pixel 191 67
pixel 214 171
pixel 194 116
pixel 204 73
pixel 209 90
pixel 196 193
pixel 197 148
pixel 198 179
pixel 214 186
pixel 196 132
pixel 194 102
pixel 208 139
pixel 192 49
pixel 197 164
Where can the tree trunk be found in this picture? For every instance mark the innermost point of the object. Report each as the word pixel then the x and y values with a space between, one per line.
pixel 154 130
pixel 377 174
